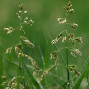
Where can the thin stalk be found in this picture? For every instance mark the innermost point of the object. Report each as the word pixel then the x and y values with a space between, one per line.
pixel 87 81
pixel 22 61
pixel 21 70
pixel 23 74
pixel 68 74
pixel 20 67
pixel 19 73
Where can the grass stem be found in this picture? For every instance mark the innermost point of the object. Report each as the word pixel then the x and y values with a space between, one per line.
pixel 68 74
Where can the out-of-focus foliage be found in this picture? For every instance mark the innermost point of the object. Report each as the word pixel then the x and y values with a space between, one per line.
pixel 45 28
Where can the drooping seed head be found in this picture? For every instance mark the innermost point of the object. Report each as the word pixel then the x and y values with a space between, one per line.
pixel 74 25
pixel 71 10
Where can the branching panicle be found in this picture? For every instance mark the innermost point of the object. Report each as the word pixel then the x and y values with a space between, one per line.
pixel 66 37
pixel 19 47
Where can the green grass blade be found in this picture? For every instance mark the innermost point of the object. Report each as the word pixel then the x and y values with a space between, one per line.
pixel 85 64
pixel 11 63
pixel 76 86
pixel 38 85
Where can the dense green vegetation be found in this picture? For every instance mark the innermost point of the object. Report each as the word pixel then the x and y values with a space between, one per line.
pixel 41 45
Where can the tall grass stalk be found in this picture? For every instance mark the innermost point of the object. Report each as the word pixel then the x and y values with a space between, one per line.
pixel 19 48
pixel 67 37
pixel 68 72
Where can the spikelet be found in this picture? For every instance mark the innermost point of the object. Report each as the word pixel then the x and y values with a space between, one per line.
pixel 56 63
pixel 64 39
pixel 3 77
pixel 9 50
pixel 61 20
pixel 33 62
pixel 68 6
pixel 71 10
pixel 30 22
pixel 71 36
pixel 57 39
pixel 53 55
pixel 27 42
pixel 18 47
pixel 74 25
pixel 21 7
pixel 73 69
pixel 79 39
pixel 4 83
pixel 9 30
pixel 47 71
pixel 76 51
pixel 12 84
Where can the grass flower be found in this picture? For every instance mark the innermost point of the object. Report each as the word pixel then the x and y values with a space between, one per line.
pixel 8 50
pixel 9 30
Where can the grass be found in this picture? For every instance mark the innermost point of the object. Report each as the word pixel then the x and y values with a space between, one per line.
pixel 32 68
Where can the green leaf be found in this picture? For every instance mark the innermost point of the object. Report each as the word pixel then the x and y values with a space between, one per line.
pixel 76 86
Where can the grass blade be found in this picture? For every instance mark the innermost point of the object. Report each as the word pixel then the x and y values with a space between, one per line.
pixel 76 86
pixel 38 85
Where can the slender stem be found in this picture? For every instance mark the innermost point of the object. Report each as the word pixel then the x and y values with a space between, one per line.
pixel 68 74
pixel 87 81
pixel 21 59
pixel 20 67
pixel 23 73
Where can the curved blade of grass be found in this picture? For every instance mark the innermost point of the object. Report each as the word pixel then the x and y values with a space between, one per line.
pixel 38 85
pixel 86 62
pixel 76 86
pixel 10 62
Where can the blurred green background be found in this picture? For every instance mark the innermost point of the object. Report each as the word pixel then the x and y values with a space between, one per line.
pixel 45 14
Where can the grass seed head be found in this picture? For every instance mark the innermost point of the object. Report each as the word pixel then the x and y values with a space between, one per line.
pixel 64 39
pixel 30 22
pixel 3 77
pixel 79 39
pixel 4 83
pixel 71 10
pixel 76 51
pixel 69 4
pixel 61 21
pixel 74 25
pixel 47 71
pixel 9 30
pixel 53 55
pixel 9 50
pixel 25 12
pixel 21 6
